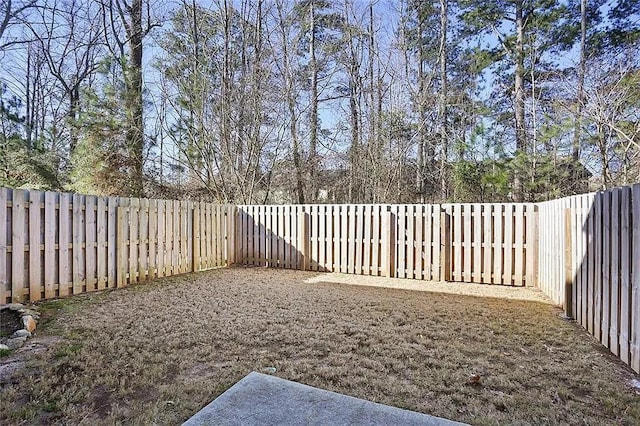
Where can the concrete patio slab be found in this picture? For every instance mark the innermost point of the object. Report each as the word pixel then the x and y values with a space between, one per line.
pixel 260 399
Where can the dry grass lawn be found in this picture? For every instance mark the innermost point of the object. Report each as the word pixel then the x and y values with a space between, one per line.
pixel 157 353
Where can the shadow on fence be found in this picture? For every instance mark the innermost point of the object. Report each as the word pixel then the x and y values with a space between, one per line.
pixel 590 265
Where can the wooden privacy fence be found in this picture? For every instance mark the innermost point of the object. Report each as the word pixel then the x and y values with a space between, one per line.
pixel 582 251
pixel 54 244
pixel 484 243
pixel 590 264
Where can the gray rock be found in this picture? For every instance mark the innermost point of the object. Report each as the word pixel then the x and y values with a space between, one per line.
pixel 16 342
pixel 4 347
pixel 9 370
pixel 21 333
pixel 33 313
pixel 13 306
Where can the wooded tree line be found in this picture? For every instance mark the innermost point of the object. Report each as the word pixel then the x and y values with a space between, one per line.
pixel 252 101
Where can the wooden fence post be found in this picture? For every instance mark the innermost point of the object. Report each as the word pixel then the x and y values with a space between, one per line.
pixel 388 244
pixel 303 239
pixel 445 246
pixel 568 264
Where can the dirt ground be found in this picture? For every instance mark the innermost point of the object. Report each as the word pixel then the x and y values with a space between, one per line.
pixel 157 353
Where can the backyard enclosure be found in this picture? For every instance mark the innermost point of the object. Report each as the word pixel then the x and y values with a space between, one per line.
pixel 582 251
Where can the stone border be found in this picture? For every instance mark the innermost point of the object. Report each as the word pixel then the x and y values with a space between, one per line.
pixel 29 317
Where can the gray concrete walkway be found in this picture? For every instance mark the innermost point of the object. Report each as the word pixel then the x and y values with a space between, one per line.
pixel 260 399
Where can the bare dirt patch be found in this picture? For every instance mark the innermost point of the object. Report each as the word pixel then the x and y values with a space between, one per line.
pixel 157 353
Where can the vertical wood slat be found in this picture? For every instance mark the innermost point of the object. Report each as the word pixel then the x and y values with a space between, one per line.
pixel 445 246
pixel 597 310
pixel 457 242
pixel 431 243
pixel 497 244
pixel 112 233
pixel 477 242
pixel 5 293
pixel 584 213
pixel 18 279
pixel 487 242
pixel 606 267
pixel 303 240
pixel 625 279
pixel 90 243
pixel 161 250
pixel 77 261
pixel 590 266
pixel 50 229
pixel 368 245
pixel 388 244
pixel 64 240
pixel 359 239
pixel 351 239
pixel 134 258
pixel 376 235
pixel 197 241
pixel 121 246
pixel 467 221
pixel 220 235
pixel 168 239
pixel 508 245
pixel 635 281
pixel 519 251
pixel 101 243
pixel 143 246
pixel 614 307
pixel 33 229
pixel 411 243
pixel 175 257
pixel 421 244
pixel 435 261
pixel 153 235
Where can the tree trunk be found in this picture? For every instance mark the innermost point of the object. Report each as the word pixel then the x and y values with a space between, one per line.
pixel 521 135
pixel 291 106
pixel 575 151
pixel 443 99
pixel 133 104
pixel 422 134
pixel 313 141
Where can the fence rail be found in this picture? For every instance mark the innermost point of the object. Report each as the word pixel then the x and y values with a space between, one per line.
pixel 55 244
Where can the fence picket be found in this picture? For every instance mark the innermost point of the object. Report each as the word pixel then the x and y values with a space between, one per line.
pixel 33 229
pixel 50 230
pixel 614 306
pixel 5 233
pixel 635 281
pixel 606 265
pixel 18 278
pixel 90 243
pixel 101 243
pixel 77 261
pixel 64 240
pixel 111 241
pixel 626 240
